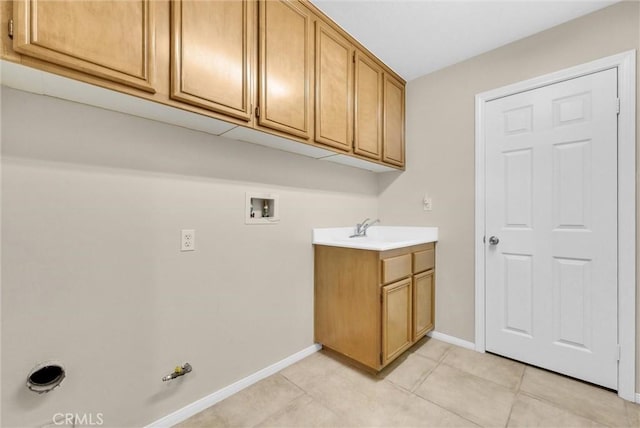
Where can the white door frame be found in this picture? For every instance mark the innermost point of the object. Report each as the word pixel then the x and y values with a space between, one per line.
pixel 626 64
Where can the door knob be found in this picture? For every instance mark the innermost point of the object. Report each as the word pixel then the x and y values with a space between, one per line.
pixel 493 240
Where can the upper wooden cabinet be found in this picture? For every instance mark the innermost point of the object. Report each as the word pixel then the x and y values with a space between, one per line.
pixel 280 67
pixel 368 107
pixel 211 55
pixel 113 40
pixel 285 58
pixel 393 121
pixel 334 88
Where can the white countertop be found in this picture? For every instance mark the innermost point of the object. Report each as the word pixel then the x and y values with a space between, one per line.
pixel 379 238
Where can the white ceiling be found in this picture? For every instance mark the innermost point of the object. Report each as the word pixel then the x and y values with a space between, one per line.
pixel 416 37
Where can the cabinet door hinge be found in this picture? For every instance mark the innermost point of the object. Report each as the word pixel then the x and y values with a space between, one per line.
pixel 10 28
pixel 257 111
pixel 617 105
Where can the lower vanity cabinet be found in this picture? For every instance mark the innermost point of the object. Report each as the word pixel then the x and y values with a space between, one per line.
pixel 371 306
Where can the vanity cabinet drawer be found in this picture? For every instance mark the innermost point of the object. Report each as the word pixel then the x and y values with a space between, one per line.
pixel 424 260
pixel 395 268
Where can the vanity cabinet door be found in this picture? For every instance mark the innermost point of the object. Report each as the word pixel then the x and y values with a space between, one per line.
pixel 396 319
pixel 112 40
pixel 422 304
pixel 211 53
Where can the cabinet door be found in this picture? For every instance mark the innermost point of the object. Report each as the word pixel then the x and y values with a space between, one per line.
pixel 368 107
pixel 112 40
pixel 422 304
pixel 210 58
pixel 334 81
pixel 396 319
pixel 393 122
pixel 285 67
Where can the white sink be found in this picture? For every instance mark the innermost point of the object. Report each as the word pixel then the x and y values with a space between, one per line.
pixel 379 238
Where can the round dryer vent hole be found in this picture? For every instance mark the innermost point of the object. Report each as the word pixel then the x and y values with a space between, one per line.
pixel 45 376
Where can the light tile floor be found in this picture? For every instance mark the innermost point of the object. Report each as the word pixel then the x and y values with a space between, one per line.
pixel 433 385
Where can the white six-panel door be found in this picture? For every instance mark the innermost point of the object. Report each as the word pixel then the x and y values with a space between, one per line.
pixel 551 206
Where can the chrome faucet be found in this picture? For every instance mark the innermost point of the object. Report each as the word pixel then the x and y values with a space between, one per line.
pixel 358 231
pixel 367 226
pixel 361 228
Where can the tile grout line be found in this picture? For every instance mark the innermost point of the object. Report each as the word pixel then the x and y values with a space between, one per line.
pixel 445 409
pixel 521 378
pixel 438 363
pixel 560 407
pixel 513 391
pixel 516 395
pixel 286 405
pixel 289 381
pixel 443 362
pixel 426 376
pixel 556 405
pixel 318 399
pixel 627 409
pixel 285 409
pixel 513 403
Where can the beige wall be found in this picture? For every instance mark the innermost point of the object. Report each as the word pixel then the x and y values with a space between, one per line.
pixel 92 205
pixel 440 143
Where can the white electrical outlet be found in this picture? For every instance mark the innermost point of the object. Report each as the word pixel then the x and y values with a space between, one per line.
pixel 427 204
pixel 187 240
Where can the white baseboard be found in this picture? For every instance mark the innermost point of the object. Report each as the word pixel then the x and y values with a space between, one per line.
pixel 638 397
pixel 452 340
pixel 211 399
